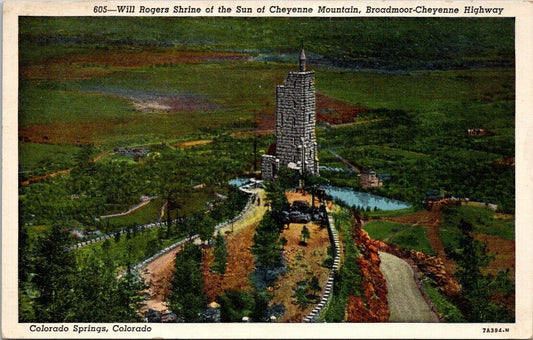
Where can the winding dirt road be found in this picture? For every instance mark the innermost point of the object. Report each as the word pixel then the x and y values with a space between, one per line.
pixel 406 303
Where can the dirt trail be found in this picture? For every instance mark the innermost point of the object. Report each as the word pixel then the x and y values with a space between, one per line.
pixel 406 303
pixel 58 173
pixel 431 220
pixel 158 273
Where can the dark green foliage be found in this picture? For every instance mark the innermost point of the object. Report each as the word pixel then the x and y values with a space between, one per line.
pixel 229 208
pixel 448 310
pixel 152 245
pixel 101 296
pixel 86 153
pixel 206 228
pixel 301 297
pixel 187 299
pixel 287 178
pixel 86 288
pixel 267 246
pixel 477 288
pixel 305 234
pixel 307 292
pixel 261 299
pixel 314 285
pixel 328 262
pixel 24 252
pixel 220 254
pixel 52 270
pixel 275 196
pixel 235 304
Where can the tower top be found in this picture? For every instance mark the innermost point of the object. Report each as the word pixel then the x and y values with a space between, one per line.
pixel 302 60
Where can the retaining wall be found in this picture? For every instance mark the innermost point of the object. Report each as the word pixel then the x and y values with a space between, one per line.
pixel 328 290
pixel 125 231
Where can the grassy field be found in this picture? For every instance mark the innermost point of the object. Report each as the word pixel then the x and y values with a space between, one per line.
pixel 392 213
pixel 364 42
pixel 496 230
pixel 153 80
pixel 413 238
pixel 484 220
pixel 37 159
pixel 381 230
pixel 146 214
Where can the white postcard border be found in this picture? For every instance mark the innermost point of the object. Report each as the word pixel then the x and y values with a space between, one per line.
pixel 522 328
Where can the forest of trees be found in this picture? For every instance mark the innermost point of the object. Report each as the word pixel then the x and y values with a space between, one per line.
pixel 56 285
pixel 420 160
pixel 98 285
pixel 478 290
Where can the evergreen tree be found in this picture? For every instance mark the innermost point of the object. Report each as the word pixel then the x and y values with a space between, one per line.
pixel 220 254
pixel 471 256
pixel 101 294
pixel 206 228
pixel 267 246
pixel 187 299
pixel 52 269
pixel 305 234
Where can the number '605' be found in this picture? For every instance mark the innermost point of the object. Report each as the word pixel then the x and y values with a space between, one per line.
pixel 100 9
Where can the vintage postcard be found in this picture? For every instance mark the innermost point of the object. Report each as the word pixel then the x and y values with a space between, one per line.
pixel 267 169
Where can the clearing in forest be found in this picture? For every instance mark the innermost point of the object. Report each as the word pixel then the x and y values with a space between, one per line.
pixel 303 262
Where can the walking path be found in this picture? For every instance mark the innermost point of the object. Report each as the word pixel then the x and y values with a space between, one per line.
pixel 353 167
pixel 406 303
pixel 58 172
pixel 131 209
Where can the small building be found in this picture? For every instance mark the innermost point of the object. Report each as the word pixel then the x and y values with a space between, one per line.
pixel 135 152
pixel 369 179
pixel 476 132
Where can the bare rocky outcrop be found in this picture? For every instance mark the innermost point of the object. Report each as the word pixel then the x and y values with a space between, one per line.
pixel 374 307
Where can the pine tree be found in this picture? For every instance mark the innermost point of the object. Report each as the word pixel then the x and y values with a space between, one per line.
pixel 471 256
pixel 187 299
pixel 220 253
pixel 305 234
pixel 52 269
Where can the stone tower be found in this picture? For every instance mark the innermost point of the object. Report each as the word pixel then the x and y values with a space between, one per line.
pixel 296 146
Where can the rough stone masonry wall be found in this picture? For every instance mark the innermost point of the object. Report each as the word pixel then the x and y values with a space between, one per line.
pixel 327 293
pixel 295 121
pixel 269 166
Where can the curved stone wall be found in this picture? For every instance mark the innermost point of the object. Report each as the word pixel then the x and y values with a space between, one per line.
pixel 328 290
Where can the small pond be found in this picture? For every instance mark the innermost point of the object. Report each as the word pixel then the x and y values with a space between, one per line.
pixel 363 199
pixel 348 196
pixel 239 182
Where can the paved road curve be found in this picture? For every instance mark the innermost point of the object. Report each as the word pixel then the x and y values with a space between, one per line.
pixel 406 303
